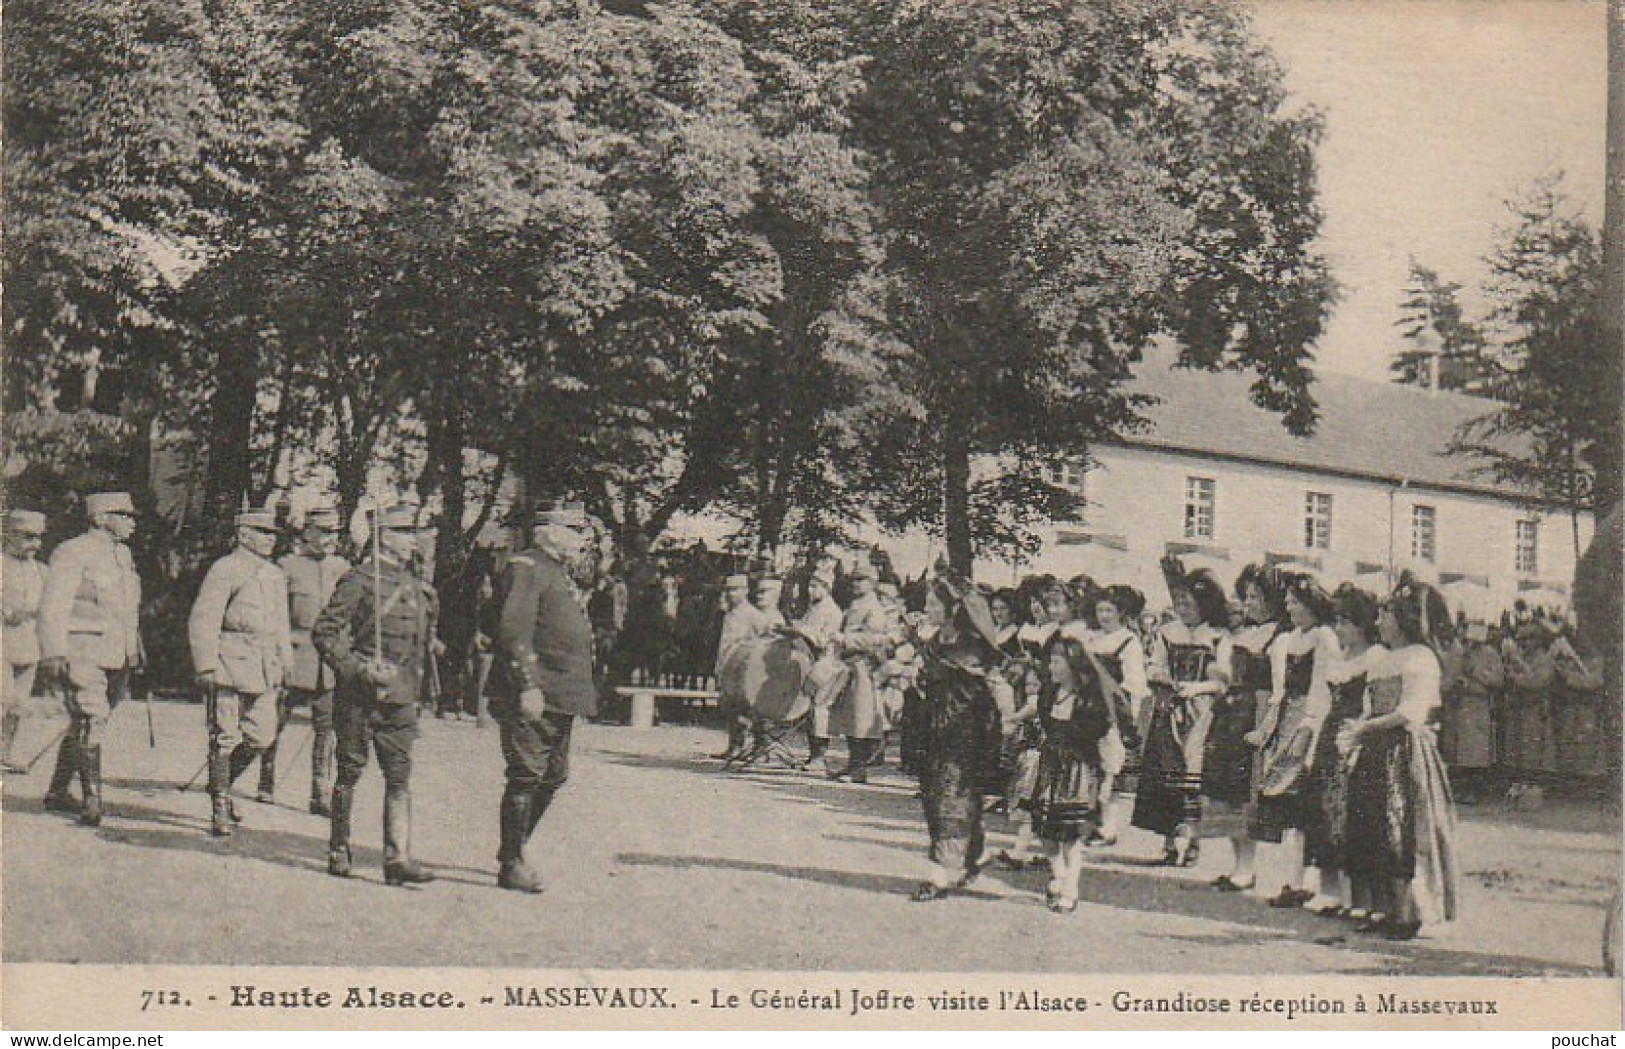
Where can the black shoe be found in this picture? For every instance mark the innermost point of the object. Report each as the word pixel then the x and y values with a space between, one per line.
pixel 517 875
pixel 318 807
pixel 265 797
pixel 1193 855
pixel 1374 923
pixel 1289 898
pixel 1225 883
pixel 1011 863
pixel 63 802
pixel 236 815
pixel 1402 930
pixel 928 893
pixel 1062 906
pixel 1170 857
pixel 406 872
pixel 338 862
pixel 1097 840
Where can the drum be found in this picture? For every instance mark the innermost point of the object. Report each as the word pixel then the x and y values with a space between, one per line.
pixel 767 676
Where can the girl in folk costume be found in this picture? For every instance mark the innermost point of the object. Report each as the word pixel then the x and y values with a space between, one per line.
pixel 1121 655
pixel 961 686
pixel 1055 606
pixel 1077 716
pixel 1354 620
pixel 1185 683
pixel 1229 768
pixel 1006 606
pixel 1401 833
pixel 1299 701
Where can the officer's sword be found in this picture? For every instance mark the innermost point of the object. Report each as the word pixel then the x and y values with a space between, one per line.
pixel 209 701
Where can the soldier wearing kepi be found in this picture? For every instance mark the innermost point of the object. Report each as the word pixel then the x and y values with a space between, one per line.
pixel 23 584
pixel 240 649
pixel 90 642
pixel 376 632
pixel 313 572
pixel 542 679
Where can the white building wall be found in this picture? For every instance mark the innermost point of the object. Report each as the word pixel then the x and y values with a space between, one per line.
pixel 1136 500
pixel 1137 497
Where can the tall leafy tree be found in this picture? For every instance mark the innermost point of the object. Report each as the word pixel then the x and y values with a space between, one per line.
pixel 1058 184
pixel 1544 279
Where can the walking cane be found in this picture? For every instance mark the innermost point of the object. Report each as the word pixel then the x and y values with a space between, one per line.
pixel 152 735
pixel 29 767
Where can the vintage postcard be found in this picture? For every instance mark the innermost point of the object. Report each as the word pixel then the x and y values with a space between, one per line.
pixel 869 514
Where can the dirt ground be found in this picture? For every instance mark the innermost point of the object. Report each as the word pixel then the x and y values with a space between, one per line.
pixel 654 857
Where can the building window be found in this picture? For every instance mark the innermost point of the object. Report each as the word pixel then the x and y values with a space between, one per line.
pixel 1199 507
pixel 1526 558
pixel 1066 475
pixel 1317 521
pixel 1424 534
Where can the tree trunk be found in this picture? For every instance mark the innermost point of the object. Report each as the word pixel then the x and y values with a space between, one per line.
pixel 1598 576
pixel 231 431
pixel 956 499
pixel 446 463
pixel 1611 294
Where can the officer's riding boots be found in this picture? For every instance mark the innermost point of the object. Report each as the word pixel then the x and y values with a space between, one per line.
pixel 399 867
pixel 338 841
pixel 90 781
pixel 267 792
pixel 10 721
pixel 57 798
pixel 220 817
pixel 322 749
pixel 520 813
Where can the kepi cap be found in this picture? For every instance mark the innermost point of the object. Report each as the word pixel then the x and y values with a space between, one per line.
pixel 260 520
pixel 324 517
pixel 402 517
pixel 25 522
pixel 109 503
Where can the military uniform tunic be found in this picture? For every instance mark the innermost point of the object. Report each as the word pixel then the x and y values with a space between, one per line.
pixel 311 582
pixel 90 616
pixel 23 585
pixel 239 633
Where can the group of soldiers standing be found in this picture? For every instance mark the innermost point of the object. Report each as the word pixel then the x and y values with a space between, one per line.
pixel 355 644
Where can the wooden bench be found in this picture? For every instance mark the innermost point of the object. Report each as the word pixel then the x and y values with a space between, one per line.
pixel 646 700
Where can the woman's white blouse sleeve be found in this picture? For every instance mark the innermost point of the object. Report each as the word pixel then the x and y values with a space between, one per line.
pixel 1419 676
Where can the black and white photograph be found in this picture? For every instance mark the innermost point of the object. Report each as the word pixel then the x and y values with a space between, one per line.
pixel 1043 488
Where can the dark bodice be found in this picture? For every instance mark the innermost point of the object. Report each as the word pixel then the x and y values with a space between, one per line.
pixel 1300 670
pixel 1189 662
pixel 1348 699
pixel 1249 671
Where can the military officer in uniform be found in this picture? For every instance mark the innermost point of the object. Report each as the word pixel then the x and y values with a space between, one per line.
pixel 90 642
pixel 865 641
pixel 313 570
pixel 241 648
pixel 542 679
pixel 23 584
pixel 741 621
pixel 376 633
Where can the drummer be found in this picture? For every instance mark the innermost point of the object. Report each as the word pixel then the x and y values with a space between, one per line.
pixel 741 622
